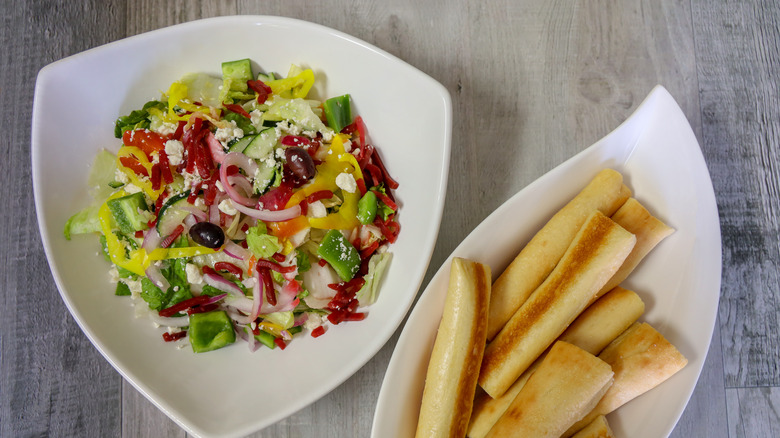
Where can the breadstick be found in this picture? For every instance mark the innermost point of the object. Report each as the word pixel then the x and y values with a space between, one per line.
pixel 598 428
pixel 649 232
pixel 537 259
pixel 593 330
pixel 567 384
pixel 598 250
pixel 604 320
pixel 457 351
pixel 642 359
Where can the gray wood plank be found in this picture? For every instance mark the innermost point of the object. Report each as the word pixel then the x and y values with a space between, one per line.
pixel 708 401
pixel 533 82
pixel 754 412
pixel 52 381
pixel 738 66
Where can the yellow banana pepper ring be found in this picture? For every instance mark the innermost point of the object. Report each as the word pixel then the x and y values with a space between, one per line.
pixel 296 87
pixel 140 156
pixel 336 162
pixel 176 95
pixel 139 260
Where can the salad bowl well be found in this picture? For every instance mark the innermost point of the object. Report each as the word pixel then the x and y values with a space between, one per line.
pixel 679 281
pixel 245 391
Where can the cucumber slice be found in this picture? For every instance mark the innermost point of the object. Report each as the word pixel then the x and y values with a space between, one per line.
pixel 241 143
pixel 263 144
pixel 127 212
pixel 172 214
pixel 236 73
pixel 266 173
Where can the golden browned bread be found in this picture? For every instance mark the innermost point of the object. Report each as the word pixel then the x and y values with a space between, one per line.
pixel 642 359
pixel 453 369
pixel 604 320
pixel 567 384
pixel 593 330
pixel 649 232
pixel 605 193
pixel 598 250
pixel 598 428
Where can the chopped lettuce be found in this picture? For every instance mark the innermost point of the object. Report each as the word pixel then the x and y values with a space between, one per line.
pixel 262 244
pixel 137 119
pixel 376 268
pixel 179 289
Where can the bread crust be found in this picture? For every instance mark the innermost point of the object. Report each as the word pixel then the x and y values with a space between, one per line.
pixel 596 253
pixel 605 193
pixel 453 369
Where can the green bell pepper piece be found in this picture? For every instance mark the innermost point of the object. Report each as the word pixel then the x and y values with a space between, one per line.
pixel 342 256
pixel 210 331
pixel 367 208
pixel 338 112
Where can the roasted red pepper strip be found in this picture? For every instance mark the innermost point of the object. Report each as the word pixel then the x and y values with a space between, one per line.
pixel 318 196
pixel 229 267
pixel 134 165
pixel 170 337
pixel 385 199
pixel 176 308
pixel 147 141
pixel 319 331
pixel 262 90
pixel 389 181
pixel 168 240
pixel 268 285
pixel 238 109
pixel 267 264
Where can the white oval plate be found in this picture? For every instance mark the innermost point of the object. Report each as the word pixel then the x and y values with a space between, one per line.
pixel 232 392
pixel 659 156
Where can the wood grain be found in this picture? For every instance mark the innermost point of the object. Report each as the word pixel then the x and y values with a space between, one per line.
pixel 533 82
pixel 738 71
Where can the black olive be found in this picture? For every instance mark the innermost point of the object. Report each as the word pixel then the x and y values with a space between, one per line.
pixel 299 168
pixel 207 234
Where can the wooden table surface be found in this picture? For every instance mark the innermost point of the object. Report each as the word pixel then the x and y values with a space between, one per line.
pixel 533 82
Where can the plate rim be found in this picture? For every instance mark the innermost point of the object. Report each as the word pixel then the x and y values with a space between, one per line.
pixel 658 94
pixel 49 73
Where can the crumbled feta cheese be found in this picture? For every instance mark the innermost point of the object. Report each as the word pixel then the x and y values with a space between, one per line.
pixel 348 146
pixel 313 321
pixel 121 177
pixel 199 202
pixel 346 182
pixel 174 149
pixel 167 128
pixel 131 188
pixel 256 117
pixel 317 209
pixel 219 186
pixel 227 207
pixel 113 274
pixel 327 135
pixel 193 274
pixel 134 286
pixel 224 135
pixel 190 179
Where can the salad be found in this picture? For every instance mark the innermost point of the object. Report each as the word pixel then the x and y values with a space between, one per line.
pixel 238 207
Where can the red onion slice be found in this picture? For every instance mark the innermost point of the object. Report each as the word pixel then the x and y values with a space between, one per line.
pixel 236 251
pixel 155 275
pixel 270 216
pixel 215 147
pixel 219 282
pixel 244 163
pixel 257 295
pixel 151 239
